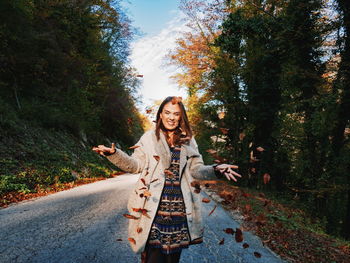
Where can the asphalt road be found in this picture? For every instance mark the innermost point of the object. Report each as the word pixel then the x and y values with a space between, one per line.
pixel 83 224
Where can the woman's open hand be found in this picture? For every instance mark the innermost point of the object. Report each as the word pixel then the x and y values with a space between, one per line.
pixel 226 169
pixel 101 149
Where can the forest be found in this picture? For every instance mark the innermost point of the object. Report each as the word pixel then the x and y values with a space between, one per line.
pixel 269 89
pixel 268 85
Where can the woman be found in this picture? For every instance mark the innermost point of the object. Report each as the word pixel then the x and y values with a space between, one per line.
pixel 165 206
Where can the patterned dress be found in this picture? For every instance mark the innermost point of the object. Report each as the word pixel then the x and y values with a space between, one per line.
pixel 169 230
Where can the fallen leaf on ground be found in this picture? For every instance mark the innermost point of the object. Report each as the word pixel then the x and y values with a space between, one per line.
pixel 205 200
pixel 119 239
pixel 229 230
pixel 222 241
pixel 238 235
pixel 257 254
pixel 245 245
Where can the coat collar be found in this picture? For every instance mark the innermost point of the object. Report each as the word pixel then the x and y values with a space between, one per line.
pixel 163 151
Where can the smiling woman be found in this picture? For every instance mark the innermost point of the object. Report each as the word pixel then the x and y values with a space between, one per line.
pixel 165 206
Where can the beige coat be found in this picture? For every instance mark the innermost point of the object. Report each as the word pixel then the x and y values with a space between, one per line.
pixel 143 161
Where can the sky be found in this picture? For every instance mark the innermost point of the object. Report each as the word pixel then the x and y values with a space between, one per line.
pixel 161 23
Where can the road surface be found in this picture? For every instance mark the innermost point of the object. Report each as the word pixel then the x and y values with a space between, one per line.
pixel 83 224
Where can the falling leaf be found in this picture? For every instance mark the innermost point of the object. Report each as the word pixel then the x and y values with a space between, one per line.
pixel 238 235
pixel 131 240
pixel 260 149
pixel 119 239
pixel 222 241
pixel 257 254
pixel 154 180
pixel 229 230
pixel 221 115
pixel 142 211
pixel 205 200
pixel 245 245
pixel 130 216
pixel 143 181
pixel 147 194
pixel 241 136
pixel 212 211
pixel 148 110
pixel 166 171
pixel 134 147
pixel 267 178
pixel 156 157
pixel 224 130
pixel 211 151
pixel 139 230
pixel 253 170
pixel 207 185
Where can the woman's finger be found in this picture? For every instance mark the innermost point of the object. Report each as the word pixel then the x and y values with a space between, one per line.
pixel 233 166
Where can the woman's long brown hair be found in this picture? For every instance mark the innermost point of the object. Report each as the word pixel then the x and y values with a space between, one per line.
pixel 183 132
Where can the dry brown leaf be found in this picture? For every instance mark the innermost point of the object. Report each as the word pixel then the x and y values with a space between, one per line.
pixel 224 130
pixel 139 230
pixel 154 180
pixel 257 254
pixel 222 241
pixel 245 245
pixel 205 200
pixel 134 147
pixel 119 239
pixel 131 240
pixel 267 178
pixel 156 157
pixel 212 211
pixel 130 216
pixel 229 231
pixel 147 193
pixel 143 181
pixel 238 235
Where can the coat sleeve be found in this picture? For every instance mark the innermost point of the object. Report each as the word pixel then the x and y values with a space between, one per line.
pixel 197 169
pixel 131 164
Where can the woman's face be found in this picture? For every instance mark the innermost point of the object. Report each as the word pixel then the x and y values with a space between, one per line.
pixel 171 115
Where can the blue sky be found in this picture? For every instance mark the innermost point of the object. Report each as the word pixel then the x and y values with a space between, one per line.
pixel 161 23
pixel 150 15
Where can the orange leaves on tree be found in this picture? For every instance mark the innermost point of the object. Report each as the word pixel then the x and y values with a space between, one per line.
pixel 131 240
pixel 238 235
pixel 205 200
pixel 130 216
pixel 267 178
pixel 212 211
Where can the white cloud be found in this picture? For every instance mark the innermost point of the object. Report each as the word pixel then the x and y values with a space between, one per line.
pixel 148 54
